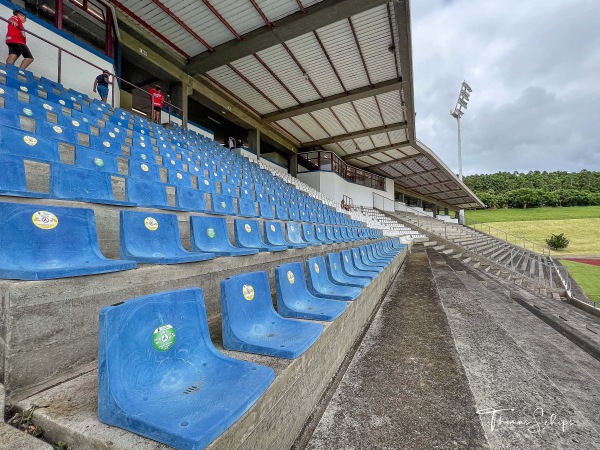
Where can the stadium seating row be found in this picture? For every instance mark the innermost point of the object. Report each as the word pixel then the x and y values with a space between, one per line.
pixel 44 242
pixel 161 376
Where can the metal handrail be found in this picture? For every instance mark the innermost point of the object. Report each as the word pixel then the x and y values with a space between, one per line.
pixel 114 76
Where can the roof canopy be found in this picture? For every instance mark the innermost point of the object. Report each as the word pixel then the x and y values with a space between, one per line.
pixel 335 74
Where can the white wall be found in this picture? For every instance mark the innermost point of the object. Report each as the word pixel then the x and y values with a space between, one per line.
pixel 75 74
pixel 335 187
pixel 164 117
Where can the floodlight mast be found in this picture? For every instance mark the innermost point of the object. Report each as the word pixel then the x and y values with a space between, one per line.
pixel 463 100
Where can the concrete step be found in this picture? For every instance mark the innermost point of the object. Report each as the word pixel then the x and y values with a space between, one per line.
pixel 13 439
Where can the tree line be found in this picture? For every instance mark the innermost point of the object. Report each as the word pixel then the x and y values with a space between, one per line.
pixel 535 188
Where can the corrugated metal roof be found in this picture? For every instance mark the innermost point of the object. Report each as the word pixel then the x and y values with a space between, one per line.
pixel 306 79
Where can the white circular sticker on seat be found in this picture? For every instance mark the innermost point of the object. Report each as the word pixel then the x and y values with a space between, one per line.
pixel 151 223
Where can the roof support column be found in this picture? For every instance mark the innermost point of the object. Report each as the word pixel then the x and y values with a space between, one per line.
pixel 293 165
pixel 180 93
pixel 254 141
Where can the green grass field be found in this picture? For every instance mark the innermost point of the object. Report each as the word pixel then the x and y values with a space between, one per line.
pixel 587 277
pixel 531 214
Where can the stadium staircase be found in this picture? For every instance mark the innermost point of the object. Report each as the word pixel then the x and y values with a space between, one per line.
pixel 139 263
pixel 533 270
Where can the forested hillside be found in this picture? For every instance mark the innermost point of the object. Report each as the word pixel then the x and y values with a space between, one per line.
pixel 527 190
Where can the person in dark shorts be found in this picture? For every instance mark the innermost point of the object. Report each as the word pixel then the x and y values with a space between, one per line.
pixel 16 40
pixel 157 98
pixel 101 84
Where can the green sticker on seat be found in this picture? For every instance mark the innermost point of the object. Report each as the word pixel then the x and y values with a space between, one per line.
pixel 163 338
pixel 210 232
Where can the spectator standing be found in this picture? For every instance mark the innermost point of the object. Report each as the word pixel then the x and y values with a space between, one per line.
pixel 231 143
pixel 157 98
pixel 101 84
pixel 16 40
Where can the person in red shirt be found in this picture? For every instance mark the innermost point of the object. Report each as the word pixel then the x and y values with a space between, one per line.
pixel 157 98
pixel 16 41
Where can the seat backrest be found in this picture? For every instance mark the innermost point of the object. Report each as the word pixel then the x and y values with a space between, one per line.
pixel 290 281
pixel 266 210
pixel 228 189
pixel 148 335
pixel 190 199
pixel 146 193
pixel 247 207
pixel 293 233
pixel 281 212
pixel 152 234
pixel 179 178
pixel 144 170
pixel 88 158
pixel 222 204
pixel 13 174
pixel 209 234
pixel 45 236
pixel 246 302
pixel 22 143
pixel 70 182
pixel 247 233
pixel 274 233
pixel 317 271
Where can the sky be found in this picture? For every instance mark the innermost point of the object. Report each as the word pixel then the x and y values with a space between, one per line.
pixel 534 67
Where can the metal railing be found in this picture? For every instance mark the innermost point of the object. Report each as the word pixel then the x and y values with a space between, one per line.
pixel 113 76
pixel 520 260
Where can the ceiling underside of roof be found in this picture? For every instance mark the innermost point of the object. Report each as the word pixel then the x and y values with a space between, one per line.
pixel 340 87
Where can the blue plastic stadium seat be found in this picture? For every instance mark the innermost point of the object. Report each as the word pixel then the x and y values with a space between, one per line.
pixel 337 274
pixel 320 232
pixel 222 204
pixel 154 238
pixel 368 259
pixel 160 376
pixel 247 207
pixel 228 189
pixel 350 269
pixel 281 212
pixel 10 118
pixel 250 323
pixel 88 158
pixel 361 264
pixel 191 199
pixel 266 210
pixel 247 235
pixel 148 194
pixel 73 183
pixel 13 181
pixel 320 285
pixel 209 234
pixel 60 133
pixel 294 300
pixel 308 234
pixel 273 232
pixel 294 236
pixel 41 242
pixel 144 170
pixel 22 143
pixel 179 178
pixel 330 235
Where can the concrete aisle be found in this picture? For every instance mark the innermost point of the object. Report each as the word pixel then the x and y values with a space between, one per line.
pixel 405 388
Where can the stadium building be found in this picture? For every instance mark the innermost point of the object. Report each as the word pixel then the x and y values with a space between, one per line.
pixel 218 229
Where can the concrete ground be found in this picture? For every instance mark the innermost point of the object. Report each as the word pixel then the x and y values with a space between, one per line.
pixel 452 361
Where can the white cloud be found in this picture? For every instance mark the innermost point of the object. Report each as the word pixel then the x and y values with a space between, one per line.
pixel 533 66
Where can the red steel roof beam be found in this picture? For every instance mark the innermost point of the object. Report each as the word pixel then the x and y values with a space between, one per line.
pixel 330 62
pixel 262 14
pixel 222 19
pixel 148 27
pixel 183 25
pixel 301 6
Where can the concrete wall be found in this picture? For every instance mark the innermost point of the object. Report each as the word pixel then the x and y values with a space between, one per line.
pixel 335 187
pixel 75 74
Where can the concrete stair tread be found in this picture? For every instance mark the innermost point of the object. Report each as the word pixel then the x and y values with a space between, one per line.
pixel 13 439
